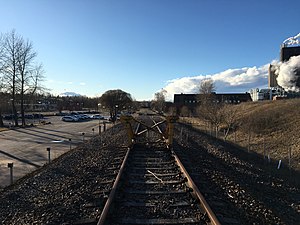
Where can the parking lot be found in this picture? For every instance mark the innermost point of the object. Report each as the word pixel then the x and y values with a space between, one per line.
pixel 27 148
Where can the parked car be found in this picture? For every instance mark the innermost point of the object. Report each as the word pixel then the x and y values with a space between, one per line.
pixel 69 119
pixel 8 117
pixel 38 116
pixel 85 117
pixel 60 114
pixel 28 116
pixel 98 117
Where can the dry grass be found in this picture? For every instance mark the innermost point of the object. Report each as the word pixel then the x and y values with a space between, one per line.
pixel 273 126
pixel 3 129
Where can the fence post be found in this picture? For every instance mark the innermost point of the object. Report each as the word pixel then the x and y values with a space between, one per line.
pixel 249 141
pixel 49 159
pixel 11 165
pixel 290 156
pixel 70 141
pixel 279 164
pixel 82 136
pixel 264 148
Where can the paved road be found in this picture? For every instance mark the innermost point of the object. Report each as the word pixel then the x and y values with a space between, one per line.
pixel 27 148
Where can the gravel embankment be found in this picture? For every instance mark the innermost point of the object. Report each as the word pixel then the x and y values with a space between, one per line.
pixel 67 190
pixel 239 186
pixel 244 187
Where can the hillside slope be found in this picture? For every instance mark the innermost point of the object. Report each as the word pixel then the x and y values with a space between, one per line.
pixel 271 127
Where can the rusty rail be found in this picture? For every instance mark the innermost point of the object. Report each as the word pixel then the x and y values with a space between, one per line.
pixel 210 213
pixel 112 193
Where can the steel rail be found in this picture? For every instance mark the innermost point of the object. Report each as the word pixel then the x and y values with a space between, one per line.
pixel 111 196
pixel 210 213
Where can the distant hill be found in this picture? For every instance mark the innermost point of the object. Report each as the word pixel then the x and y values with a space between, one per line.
pixel 69 94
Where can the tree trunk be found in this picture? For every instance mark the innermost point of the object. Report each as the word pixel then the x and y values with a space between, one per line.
pixel 15 113
pixel 23 113
pixel 22 102
pixel 226 133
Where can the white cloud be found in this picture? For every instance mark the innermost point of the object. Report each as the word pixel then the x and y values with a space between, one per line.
pixel 231 80
pixel 82 84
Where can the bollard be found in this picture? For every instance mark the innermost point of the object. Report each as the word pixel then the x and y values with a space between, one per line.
pixel 82 136
pixel 11 165
pixel 279 164
pixel 49 159
pixel 104 126
pixel 99 129
pixel 70 141
pixel 93 131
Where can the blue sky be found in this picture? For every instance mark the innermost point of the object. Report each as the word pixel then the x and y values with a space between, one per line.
pixel 142 46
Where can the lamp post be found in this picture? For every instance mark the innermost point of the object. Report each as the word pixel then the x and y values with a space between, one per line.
pixel 99 107
pixel 116 111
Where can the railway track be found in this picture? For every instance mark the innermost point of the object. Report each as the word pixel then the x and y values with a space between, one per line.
pixel 152 187
pixel 105 182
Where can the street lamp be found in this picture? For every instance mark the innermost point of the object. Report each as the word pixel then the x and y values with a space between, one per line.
pixel 116 111
pixel 99 107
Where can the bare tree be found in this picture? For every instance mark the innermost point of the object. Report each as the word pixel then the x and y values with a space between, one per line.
pixel 11 49
pixel 229 118
pixel 21 75
pixel 25 58
pixel 210 108
pixel 211 112
pixel 160 100
pixel 35 79
pixel 185 111
pixel 207 86
pixel 1 79
pixel 115 100
pixel 206 91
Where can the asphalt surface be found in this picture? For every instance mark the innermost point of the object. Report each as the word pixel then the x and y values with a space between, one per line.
pixel 26 148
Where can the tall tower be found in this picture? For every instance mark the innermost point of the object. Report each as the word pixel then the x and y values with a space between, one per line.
pixel 272 79
pixel 286 52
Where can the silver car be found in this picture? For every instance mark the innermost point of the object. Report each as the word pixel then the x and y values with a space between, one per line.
pixel 69 119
